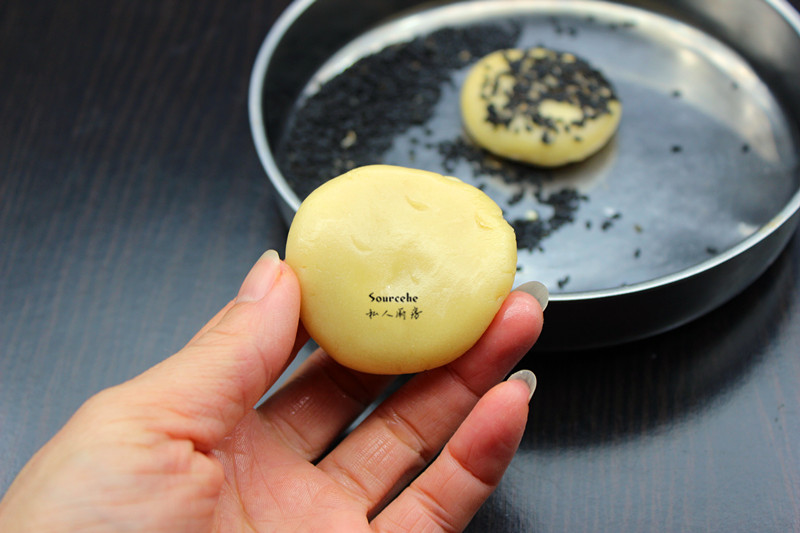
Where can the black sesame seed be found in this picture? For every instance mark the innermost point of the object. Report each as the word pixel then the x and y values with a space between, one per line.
pixel 529 233
pixel 516 197
pixel 401 83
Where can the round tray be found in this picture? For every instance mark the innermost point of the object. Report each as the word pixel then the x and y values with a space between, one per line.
pixel 691 200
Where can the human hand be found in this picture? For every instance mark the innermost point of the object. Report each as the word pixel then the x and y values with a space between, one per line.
pixel 180 447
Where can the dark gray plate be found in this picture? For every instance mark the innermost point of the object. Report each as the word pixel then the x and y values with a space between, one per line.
pixel 692 199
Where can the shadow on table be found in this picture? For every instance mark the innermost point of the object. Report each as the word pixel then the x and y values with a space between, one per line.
pixel 602 396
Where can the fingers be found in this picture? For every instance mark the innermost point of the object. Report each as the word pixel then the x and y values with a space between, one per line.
pixel 447 494
pixel 203 391
pixel 407 430
pixel 213 322
pixel 320 401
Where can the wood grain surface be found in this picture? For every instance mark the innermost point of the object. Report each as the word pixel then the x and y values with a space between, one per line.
pixel 132 203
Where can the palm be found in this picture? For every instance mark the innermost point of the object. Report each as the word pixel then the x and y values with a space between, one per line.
pixel 256 497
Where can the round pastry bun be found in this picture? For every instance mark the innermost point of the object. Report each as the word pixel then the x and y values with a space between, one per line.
pixel 400 270
pixel 538 106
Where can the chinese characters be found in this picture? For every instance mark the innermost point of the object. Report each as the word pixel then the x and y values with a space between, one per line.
pixel 400 313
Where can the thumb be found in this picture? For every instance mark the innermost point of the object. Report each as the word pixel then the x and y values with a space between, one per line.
pixel 205 389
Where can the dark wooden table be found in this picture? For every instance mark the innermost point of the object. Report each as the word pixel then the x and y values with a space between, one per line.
pixel 132 203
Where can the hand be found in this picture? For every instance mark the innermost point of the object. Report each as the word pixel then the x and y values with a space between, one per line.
pixel 181 448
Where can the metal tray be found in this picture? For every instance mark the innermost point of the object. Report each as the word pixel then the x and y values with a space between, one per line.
pixel 693 198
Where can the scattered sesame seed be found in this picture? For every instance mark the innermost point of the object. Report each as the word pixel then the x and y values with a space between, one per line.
pixel 349 139
pixel 516 197
pixel 402 84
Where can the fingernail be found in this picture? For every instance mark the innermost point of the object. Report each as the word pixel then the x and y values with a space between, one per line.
pixel 528 377
pixel 260 278
pixel 270 255
pixel 537 290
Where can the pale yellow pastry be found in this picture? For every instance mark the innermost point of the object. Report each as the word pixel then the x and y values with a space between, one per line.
pixel 400 270
pixel 538 106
